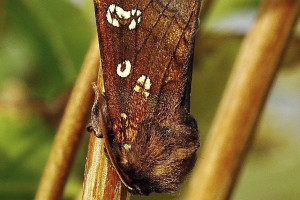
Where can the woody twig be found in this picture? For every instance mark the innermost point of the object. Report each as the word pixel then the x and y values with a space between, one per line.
pixel 244 97
pixel 100 178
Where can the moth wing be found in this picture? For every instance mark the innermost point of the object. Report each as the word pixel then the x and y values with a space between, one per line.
pixel 146 47
pixel 146 54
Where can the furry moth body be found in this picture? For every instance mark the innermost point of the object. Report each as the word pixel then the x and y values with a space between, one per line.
pixel 146 50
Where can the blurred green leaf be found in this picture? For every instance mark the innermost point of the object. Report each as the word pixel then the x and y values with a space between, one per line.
pixel 25 142
pixel 50 39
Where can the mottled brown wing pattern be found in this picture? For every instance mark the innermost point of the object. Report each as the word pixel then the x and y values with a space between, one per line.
pixel 146 50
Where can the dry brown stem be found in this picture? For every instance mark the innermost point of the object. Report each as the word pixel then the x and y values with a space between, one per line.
pixel 245 94
pixel 69 132
pixel 100 179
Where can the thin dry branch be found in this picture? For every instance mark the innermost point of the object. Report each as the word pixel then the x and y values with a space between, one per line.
pixel 69 133
pixel 244 97
pixel 100 178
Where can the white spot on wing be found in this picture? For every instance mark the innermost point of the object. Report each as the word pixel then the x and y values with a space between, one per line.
pixel 127 147
pixel 108 17
pixel 147 84
pixel 115 23
pixel 126 72
pixel 144 82
pixel 146 94
pixel 141 80
pixel 132 25
pixel 122 14
pixel 137 88
pixel 133 11
pixel 112 7
pixel 119 11
pixel 123 115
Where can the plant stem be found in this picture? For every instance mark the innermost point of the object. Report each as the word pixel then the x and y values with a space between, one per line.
pixel 69 133
pixel 245 94
pixel 100 178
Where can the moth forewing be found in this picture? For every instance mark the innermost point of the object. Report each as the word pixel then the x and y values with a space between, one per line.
pixel 146 50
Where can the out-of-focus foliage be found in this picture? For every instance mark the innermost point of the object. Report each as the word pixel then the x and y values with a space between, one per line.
pixel 42 45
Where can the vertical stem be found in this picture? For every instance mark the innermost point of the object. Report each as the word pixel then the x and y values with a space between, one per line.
pixel 100 178
pixel 244 97
pixel 69 133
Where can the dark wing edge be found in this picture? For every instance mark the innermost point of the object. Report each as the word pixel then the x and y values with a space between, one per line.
pixel 186 96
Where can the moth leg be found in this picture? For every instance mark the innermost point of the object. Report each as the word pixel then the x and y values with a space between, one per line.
pixel 96 121
pixel 90 128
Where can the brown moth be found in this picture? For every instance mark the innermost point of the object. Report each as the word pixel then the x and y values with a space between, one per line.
pixel 146 49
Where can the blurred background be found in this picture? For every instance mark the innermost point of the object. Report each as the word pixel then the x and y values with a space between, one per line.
pixel 42 46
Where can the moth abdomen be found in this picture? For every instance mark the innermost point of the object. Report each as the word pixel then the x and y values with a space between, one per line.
pixel 161 155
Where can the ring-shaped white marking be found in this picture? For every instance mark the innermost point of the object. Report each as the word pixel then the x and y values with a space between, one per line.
pixel 134 15
pixel 126 71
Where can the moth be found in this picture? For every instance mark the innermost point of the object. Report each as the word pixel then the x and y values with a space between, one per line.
pixel 146 49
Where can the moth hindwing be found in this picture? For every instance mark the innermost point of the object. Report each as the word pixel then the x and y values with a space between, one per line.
pixel 146 49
